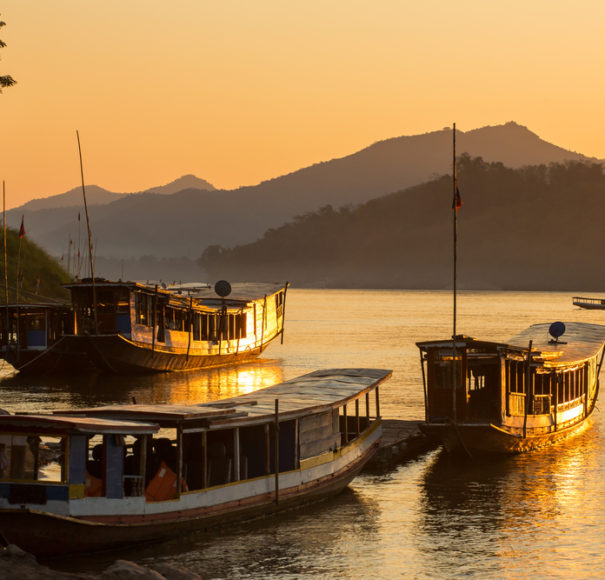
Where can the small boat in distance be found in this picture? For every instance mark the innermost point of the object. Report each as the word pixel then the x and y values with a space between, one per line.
pixel 510 397
pixel 95 479
pixel 125 327
pixel 589 303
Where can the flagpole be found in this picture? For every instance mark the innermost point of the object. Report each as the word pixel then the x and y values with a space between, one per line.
pixel 92 269
pixel 455 289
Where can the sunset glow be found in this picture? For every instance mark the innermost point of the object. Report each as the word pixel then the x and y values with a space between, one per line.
pixel 239 92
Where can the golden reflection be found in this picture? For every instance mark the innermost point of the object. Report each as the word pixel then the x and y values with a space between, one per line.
pixel 522 507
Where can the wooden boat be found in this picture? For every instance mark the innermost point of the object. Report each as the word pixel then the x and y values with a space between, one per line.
pixel 515 396
pixel 132 327
pixel 589 303
pixel 126 474
pixel 27 331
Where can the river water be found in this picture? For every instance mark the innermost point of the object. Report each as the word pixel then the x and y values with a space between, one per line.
pixel 540 514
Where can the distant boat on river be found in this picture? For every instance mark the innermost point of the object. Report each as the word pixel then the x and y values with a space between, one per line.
pixel 589 303
pixel 121 327
pixel 101 478
pixel 516 396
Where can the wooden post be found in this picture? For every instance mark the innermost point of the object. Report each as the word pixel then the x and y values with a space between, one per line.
pixel 276 429
pixel 527 388
pixel 283 311
pixel 5 263
pixel 346 422
pixel 154 303
pixel 426 405
pixel 179 454
pixel 377 404
pixel 236 455
pixel 190 320
pixel 455 247
pixel 204 459
pixel 357 416
pixel 368 406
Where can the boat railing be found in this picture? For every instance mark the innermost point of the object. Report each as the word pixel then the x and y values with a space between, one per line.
pixel 516 404
pixel 133 485
pixel 542 404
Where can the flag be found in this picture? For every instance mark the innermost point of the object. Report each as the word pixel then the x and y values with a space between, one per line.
pixel 22 229
pixel 457 203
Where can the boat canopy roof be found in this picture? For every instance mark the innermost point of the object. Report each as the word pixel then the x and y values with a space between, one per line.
pixel 581 341
pixel 312 393
pixel 57 424
pixel 241 292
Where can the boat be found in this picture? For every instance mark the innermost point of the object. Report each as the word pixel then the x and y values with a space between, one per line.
pixel 28 331
pixel 514 396
pixel 589 303
pixel 102 478
pixel 127 327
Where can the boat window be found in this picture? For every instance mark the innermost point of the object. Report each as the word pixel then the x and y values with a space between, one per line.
pixel 279 304
pixel 32 458
pixel 197 324
pixel 143 308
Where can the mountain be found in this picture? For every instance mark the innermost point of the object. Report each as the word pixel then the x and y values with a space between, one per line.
pixel 184 182
pixel 96 195
pixel 533 228
pixel 186 222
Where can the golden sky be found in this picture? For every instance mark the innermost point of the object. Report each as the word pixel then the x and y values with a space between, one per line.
pixel 237 92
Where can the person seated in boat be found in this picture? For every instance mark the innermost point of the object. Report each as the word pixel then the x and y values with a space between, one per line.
pixel 163 485
pixel 94 473
pixel 166 452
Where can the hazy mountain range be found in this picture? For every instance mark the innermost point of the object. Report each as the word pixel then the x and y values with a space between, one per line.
pixel 183 218
pixel 536 227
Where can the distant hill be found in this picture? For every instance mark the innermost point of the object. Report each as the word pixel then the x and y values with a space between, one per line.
pixel 535 228
pixel 184 182
pixel 96 195
pixel 186 222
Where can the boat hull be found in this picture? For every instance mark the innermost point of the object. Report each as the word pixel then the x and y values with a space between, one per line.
pixel 45 534
pixel 489 439
pixel 116 354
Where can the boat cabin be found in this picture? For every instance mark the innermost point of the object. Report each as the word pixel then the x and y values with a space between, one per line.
pixel 34 327
pixel 553 382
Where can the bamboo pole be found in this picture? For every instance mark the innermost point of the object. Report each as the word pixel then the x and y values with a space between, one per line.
pixel 455 256
pixel 5 262
pixel 90 255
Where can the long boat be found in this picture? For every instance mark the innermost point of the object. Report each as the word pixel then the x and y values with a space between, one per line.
pixel 121 327
pixel 589 303
pixel 514 396
pixel 96 479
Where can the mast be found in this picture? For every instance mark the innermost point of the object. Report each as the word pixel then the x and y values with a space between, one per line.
pixel 92 268
pixel 5 262
pixel 455 245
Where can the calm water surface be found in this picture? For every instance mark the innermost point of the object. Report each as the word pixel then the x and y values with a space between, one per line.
pixel 540 514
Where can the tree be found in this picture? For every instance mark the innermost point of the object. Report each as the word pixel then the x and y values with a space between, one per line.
pixel 5 80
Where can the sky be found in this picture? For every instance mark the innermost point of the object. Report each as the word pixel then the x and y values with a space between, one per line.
pixel 240 91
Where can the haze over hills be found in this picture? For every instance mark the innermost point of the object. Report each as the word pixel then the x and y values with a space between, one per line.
pixel 186 222
pixel 534 228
